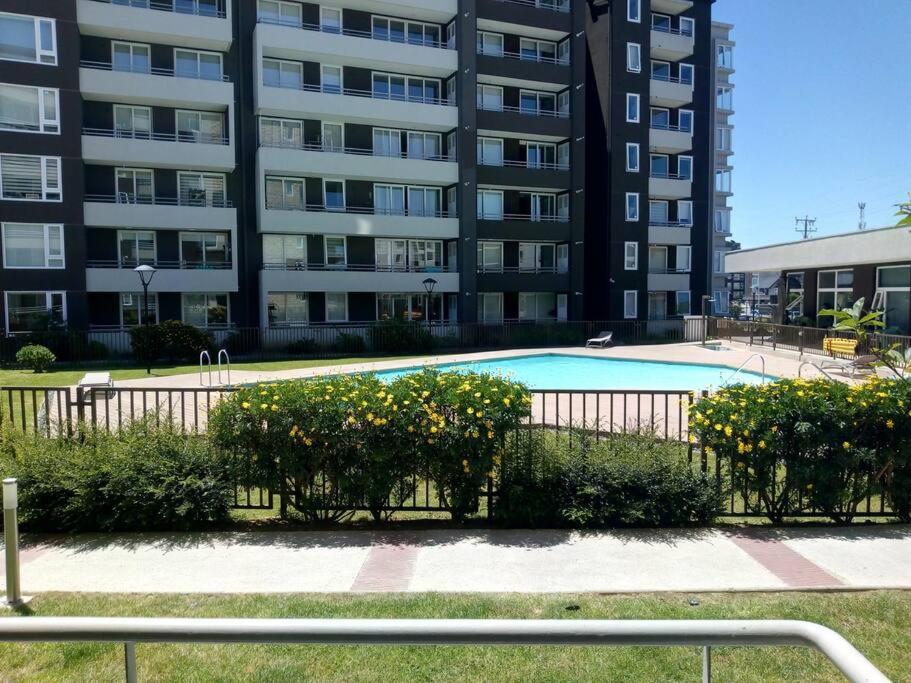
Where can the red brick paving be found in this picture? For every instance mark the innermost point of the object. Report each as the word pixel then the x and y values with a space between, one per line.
pixel 388 567
pixel 791 567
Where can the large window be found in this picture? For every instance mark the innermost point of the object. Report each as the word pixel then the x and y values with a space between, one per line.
pixel 835 290
pixel 205 310
pixel 30 311
pixel 287 308
pixel 723 221
pixel 29 109
pixel 490 44
pixel 537 50
pixel 335 251
pixel 795 292
pixel 490 205
pixel 28 39
pixel 537 306
pixel 684 259
pixel 537 103
pixel 336 307
pixel 724 98
pixel 283 74
pixel 724 56
pixel 541 155
pixel 132 121
pixel 391 254
pixel 490 307
pixel 408 306
pixel 425 254
pixel 632 107
pixel 401 31
pixel 275 12
pixel 632 206
pixel 201 189
pixel 490 257
pixel 285 193
pixel 633 57
pixel 197 64
pixel 424 145
pixel 683 303
pixel 135 57
pixel 205 250
pixel 133 309
pixel 489 97
pixel 723 138
pixel 331 79
pixel 30 178
pixel 657 305
pixel 630 256
pixel 136 247
pixel 893 290
pixel 389 200
pixel 723 181
pixel 424 201
pixel 537 257
pixel 412 88
pixel 657 212
pixel 134 186
pixel 334 195
pixel 630 303
pixel 288 251
pixel 490 151
pixel 281 132
pixel 685 212
pixel 32 245
pixel 201 126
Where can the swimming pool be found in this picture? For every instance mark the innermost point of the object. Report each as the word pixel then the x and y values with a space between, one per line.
pixel 556 371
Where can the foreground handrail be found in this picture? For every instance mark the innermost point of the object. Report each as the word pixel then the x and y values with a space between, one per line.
pixel 224 352
pixel 704 633
pixel 204 356
pixel 816 367
pixel 744 364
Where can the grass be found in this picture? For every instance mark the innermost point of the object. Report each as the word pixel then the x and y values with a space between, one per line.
pixel 877 623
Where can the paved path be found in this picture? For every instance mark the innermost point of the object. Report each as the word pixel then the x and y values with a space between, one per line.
pixel 473 561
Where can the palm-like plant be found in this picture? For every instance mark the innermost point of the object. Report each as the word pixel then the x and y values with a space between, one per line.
pixel 904 210
pixel 854 320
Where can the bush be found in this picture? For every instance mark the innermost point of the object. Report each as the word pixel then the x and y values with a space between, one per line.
pixel 144 478
pixel 172 340
pixel 797 446
pixel 627 480
pixel 36 357
pixel 349 343
pixel 339 442
pixel 243 343
pixel 399 336
pixel 304 347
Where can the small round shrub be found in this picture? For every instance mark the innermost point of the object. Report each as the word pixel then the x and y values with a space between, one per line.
pixel 36 357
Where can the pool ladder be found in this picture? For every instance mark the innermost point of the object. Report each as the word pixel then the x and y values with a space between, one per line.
pixel 204 357
pixel 743 365
pixel 815 367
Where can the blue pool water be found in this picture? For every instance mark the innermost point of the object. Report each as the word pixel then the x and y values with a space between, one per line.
pixel 555 371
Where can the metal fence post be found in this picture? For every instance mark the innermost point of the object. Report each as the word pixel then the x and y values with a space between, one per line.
pixel 707 664
pixel 11 538
pixel 129 661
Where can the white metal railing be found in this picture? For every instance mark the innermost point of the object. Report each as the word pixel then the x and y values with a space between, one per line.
pixel 204 357
pixel 224 352
pixel 681 633
pixel 744 364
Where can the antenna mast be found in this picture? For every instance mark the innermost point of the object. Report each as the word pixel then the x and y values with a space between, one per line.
pixel 805 225
pixel 862 223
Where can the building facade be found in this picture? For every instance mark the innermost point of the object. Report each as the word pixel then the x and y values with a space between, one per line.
pixel 285 163
pixel 722 168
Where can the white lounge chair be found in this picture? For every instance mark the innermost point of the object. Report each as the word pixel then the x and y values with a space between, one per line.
pixel 96 380
pixel 603 339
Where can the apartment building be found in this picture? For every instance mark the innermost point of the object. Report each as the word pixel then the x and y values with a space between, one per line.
pixel 283 163
pixel 723 56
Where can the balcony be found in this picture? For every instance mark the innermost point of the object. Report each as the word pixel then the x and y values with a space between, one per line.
pixel 173 276
pixel 305 42
pixel 355 164
pixel 511 279
pixel 316 218
pixel 162 22
pixel 551 17
pixel 524 67
pixel 520 173
pixel 669 139
pixel 668 281
pixel 672 7
pixel 353 278
pixel 519 227
pixel 544 123
pixel 161 150
pixel 671 44
pixel 355 106
pixel 669 186
pixel 670 92
pixel 161 87
pixel 669 232
pixel 168 213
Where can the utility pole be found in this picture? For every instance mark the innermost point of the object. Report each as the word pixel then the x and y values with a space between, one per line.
pixel 862 223
pixel 805 225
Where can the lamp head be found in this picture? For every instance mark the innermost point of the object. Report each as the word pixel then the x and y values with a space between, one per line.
pixel 429 285
pixel 146 273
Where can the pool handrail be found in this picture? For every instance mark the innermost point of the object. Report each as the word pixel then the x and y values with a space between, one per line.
pixel 816 367
pixel 205 355
pixel 227 362
pixel 743 365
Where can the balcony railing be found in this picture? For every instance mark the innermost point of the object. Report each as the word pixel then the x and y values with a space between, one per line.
pixel 522 56
pixel 177 6
pixel 687 33
pixel 670 224
pixel 522 270
pixel 336 149
pixel 533 218
pixel 668 126
pixel 189 137
pixel 669 176
pixel 519 163
pixel 356 267
pixel 547 113
pixel 129 264
pixel 671 79
pixel 185 199
pixel 552 5
pixel 153 71
pixel 369 94
pixel 668 271
pixel 369 35
pixel 281 205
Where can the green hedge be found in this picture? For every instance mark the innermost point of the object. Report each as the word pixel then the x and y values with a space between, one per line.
pixel 171 340
pixel 799 446
pixel 143 478
pixel 626 480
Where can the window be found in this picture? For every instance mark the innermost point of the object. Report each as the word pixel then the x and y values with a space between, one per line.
pixel 685 212
pixel 634 57
pixel 657 259
pixel 630 256
pixel 686 72
pixel 205 250
pixel 723 139
pixel 634 10
pixel 658 165
pixel 632 206
pixel 424 145
pixel 201 126
pixel 205 310
pixel 562 258
pixel 285 251
pixel 490 257
pixel 32 245
pixel 723 221
pixel 335 251
pixel 490 151
pixel 632 108
pixel 283 74
pixel 201 189
pixel 134 186
pixel 683 303
pixel 657 305
pixel 206 8
pixel 133 308
pixel 391 254
pixel 28 39
pixel 723 181
pixel 537 257
pixel 30 178
pixel 281 132
pixel 540 154
pixel 721 301
pixel 136 247
pixel 336 307
pixel 661 22
pixel 132 122
pixel 28 109
pixel 490 205
pixel 537 103
pixel 424 201
pixel 893 287
pixel 425 255
pixel 401 31
pixel 724 98
pixel 408 306
pixel 685 120
pixel 489 97
pixel 537 50
pixel 285 193
pixel 537 306
pixel 835 290
pixel 490 44
pixel 490 307
pixel 284 13
pixel 133 57
pixel 387 143
pixel 541 207
pixel 685 167
pixel 718 261
pixel 331 79
pixel 661 71
pixel 334 195
pixel 657 212
pixel 659 118
pixel 330 19
pixel 684 259
pixel 687 26
pixel 411 88
pixel 389 200
pixel 630 303
pixel 197 64
pixel 30 311
pixel 632 157
pixel 287 308
pixel 724 56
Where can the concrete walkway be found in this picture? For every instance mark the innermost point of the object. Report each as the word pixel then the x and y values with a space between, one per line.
pixel 473 561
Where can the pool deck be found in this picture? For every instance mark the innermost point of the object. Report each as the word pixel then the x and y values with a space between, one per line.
pixel 607 411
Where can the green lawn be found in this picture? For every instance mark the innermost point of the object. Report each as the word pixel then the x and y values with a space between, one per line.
pixel 878 623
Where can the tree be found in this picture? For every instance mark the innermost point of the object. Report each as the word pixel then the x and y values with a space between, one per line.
pixel 904 210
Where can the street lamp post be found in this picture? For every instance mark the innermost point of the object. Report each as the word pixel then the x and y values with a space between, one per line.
pixel 429 285
pixel 146 273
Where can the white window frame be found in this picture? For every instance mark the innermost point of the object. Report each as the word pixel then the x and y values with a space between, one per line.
pixel 482 48
pixel 140 308
pixel 724 138
pixel 344 206
pixel 342 294
pixel 39 52
pixel 632 147
pixel 341 19
pixel 630 296
pixel 634 58
pixel 136 232
pixel 683 158
pixel 44 123
pixel 684 256
pixel 722 220
pixel 482 297
pixel 690 23
pixel 344 240
pixel 630 256
pixel 198 53
pixel 201 175
pixel 692 116
pixel 689 302
pixel 45 188
pixel 341 79
pixel 227 296
pixel 479 96
pixel 634 11
pixel 496 248
pixel 718 262
pixel 692 71
pixel 487 216
pixel 631 216
pixel 680 204
pixel 630 98
pixel 284 296
pixel 47 304
pixel 47 242
pixel 481 144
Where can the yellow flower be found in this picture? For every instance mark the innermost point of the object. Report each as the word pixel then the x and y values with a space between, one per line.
pixel 762 444
pixel 718 427
pixel 274 408
pixel 692 438
pixel 889 424
pixel 846 445
pixel 506 403
pixel 245 405
pixel 470 410
pixel 774 429
pixel 480 413
pixel 263 406
pixel 728 431
pixel 351 419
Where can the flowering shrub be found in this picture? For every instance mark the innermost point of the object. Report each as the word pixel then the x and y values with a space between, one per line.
pixel 797 445
pixel 336 443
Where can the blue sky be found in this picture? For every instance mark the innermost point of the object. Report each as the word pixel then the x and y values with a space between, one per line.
pixel 823 113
